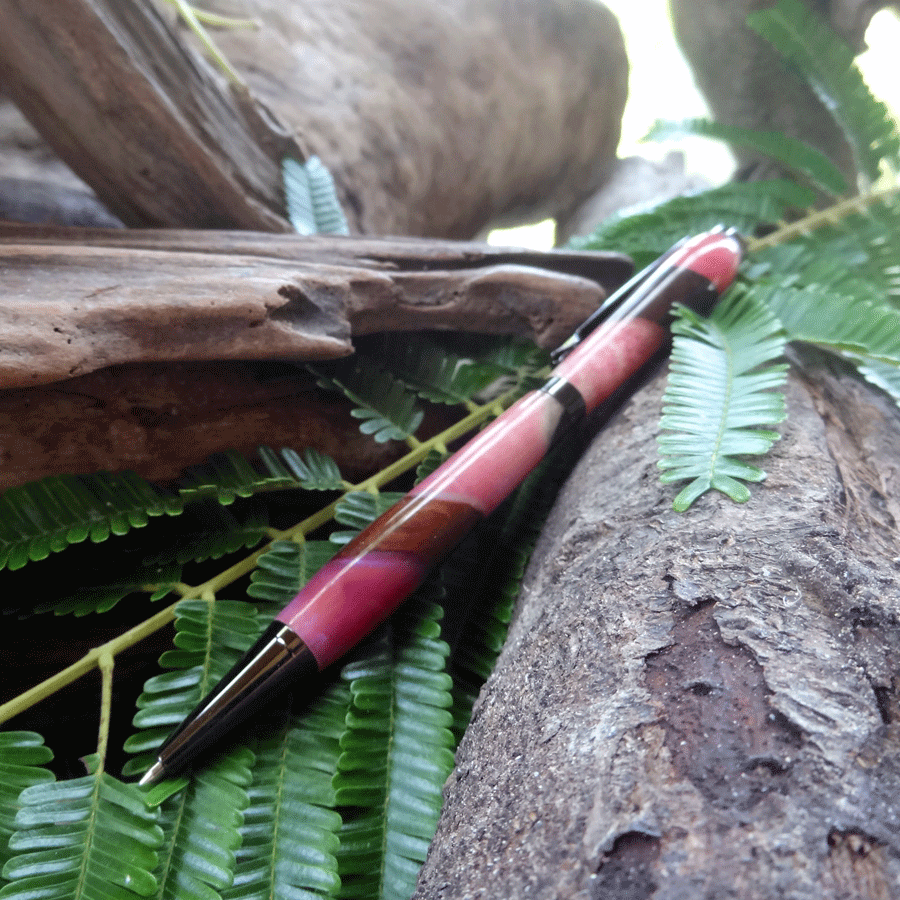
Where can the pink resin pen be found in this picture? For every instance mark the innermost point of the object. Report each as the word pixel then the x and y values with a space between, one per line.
pixel 369 578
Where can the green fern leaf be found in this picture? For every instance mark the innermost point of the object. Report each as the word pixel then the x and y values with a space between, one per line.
pixel 646 236
pixel 882 375
pixel 396 754
pixel 209 639
pixel 201 828
pixel 314 471
pixel 827 64
pixel 84 839
pixel 432 460
pixel 311 199
pixel 434 372
pixel 158 579
pixel 47 516
pixel 358 509
pixel 289 836
pixel 794 154
pixel 716 395
pixel 861 328
pixel 285 567
pixel 388 409
pixel 227 476
pixel 22 758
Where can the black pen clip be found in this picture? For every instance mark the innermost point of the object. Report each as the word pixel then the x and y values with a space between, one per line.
pixel 609 305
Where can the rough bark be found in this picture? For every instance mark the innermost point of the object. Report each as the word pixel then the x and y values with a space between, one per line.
pixel 700 705
pixel 74 302
pixel 435 118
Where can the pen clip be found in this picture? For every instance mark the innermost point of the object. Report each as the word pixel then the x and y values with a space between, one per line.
pixel 609 305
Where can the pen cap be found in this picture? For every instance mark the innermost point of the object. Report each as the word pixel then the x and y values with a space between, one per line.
pixel 695 274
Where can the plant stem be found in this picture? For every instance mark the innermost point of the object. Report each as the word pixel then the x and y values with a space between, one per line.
pixel 103 655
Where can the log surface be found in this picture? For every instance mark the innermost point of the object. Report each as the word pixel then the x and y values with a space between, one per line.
pixel 703 705
pixel 80 300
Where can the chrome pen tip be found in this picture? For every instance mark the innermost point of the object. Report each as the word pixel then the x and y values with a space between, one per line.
pixel 154 773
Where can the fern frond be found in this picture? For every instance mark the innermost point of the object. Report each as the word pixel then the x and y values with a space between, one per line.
pixel 883 375
pixel 289 836
pixel 395 755
pixel 84 839
pixel 432 460
pixel 388 409
pixel 827 64
pixel 46 516
pixel 794 154
pixel 313 471
pixel 358 509
pixel 716 396
pixel 228 475
pixel 311 199
pixel 210 637
pixel 647 235
pixel 157 579
pixel 22 758
pixel 285 567
pixel 201 829
pixel 435 373
pixel 817 315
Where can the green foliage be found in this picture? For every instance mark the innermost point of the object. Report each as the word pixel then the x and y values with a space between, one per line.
pixel 287 565
pixel 46 516
pixel 357 509
pixel 385 405
pixel 289 836
pixel 826 62
pixel 714 417
pixel 89 838
pixel 313 471
pixel 833 284
pixel 647 235
pixel 310 198
pixel 22 759
pixel 396 754
pixel 797 156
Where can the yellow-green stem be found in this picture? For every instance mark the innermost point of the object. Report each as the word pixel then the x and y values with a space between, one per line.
pixel 94 658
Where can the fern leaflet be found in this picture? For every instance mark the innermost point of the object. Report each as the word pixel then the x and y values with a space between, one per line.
pixel 386 406
pixel 89 838
pixel 827 63
pixel 310 198
pixel 716 396
pixel 22 758
pixel 794 154
pixel 395 755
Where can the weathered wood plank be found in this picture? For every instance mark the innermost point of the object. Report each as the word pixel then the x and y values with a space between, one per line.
pixel 74 301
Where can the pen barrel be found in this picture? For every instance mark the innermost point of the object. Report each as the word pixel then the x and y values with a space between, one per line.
pixel 379 568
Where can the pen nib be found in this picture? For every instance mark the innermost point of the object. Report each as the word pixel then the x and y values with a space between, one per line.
pixel 153 773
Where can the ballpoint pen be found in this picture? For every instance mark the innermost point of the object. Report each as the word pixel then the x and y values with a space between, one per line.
pixel 369 578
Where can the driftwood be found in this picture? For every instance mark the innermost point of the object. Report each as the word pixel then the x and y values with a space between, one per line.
pixel 142 118
pixel 178 309
pixel 157 419
pixel 703 705
pixel 435 118
pixel 73 302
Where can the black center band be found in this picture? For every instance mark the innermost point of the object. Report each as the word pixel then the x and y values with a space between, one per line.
pixel 568 396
